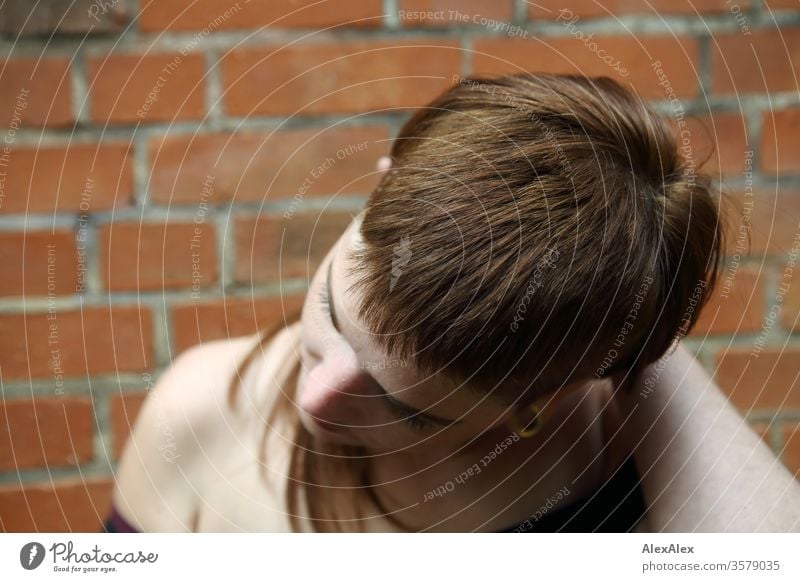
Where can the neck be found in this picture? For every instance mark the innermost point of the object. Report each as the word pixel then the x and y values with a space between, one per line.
pixel 397 483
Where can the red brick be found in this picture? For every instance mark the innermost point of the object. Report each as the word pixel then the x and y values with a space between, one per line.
pixel 718 144
pixel 791 448
pixel 439 13
pixel 571 55
pixel 752 382
pixel 765 61
pixel 142 257
pixel 780 141
pixel 773 220
pixel 211 15
pixel 552 9
pixel 340 77
pixel 782 4
pixel 78 17
pixel 53 179
pixel 47 96
pixel 202 322
pixel 124 410
pixel 735 307
pixel 45 432
pixel 96 340
pixel 275 249
pixel 260 166
pixel 153 87
pixel 60 506
pixel 27 256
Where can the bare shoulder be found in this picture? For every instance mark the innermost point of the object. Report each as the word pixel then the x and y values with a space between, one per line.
pixel 155 489
pixel 184 428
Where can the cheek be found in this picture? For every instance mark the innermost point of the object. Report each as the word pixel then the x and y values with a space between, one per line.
pixel 447 441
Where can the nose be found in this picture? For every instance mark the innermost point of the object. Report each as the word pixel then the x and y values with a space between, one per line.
pixel 336 391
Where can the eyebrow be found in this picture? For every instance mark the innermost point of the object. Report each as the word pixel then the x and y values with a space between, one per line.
pixel 396 403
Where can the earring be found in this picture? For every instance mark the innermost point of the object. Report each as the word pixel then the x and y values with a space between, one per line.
pixel 533 426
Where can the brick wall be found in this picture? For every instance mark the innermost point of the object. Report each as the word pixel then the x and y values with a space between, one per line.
pixel 154 153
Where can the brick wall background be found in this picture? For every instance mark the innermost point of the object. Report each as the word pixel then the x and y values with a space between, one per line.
pixel 159 159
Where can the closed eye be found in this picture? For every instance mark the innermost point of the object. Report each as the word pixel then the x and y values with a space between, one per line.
pixel 415 422
pixel 414 418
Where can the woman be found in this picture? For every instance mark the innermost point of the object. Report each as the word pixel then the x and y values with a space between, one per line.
pixel 533 237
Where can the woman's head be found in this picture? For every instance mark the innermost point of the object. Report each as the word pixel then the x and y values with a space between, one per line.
pixel 533 232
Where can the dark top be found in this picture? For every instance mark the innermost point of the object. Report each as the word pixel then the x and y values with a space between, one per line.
pixel 615 507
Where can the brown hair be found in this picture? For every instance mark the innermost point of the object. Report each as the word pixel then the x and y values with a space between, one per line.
pixel 534 230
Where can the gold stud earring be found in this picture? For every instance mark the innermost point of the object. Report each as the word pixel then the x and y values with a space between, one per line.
pixel 534 425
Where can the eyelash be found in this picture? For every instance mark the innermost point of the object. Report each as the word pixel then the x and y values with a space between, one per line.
pixel 417 424
pixel 413 422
